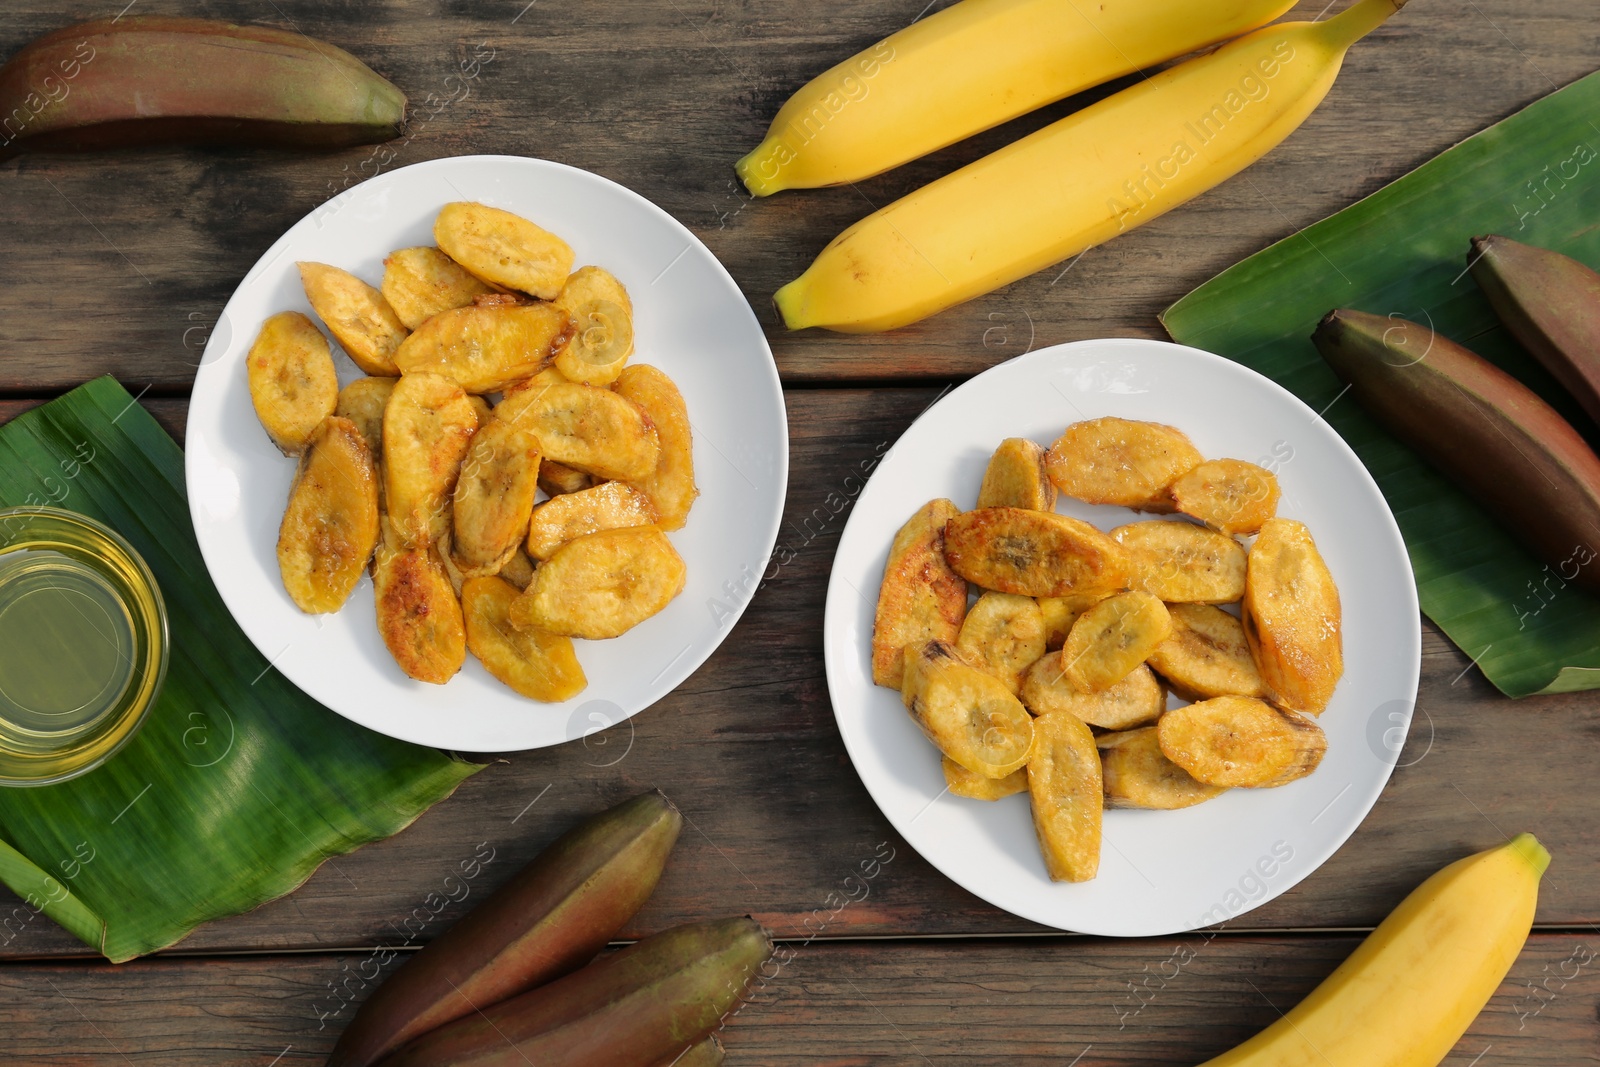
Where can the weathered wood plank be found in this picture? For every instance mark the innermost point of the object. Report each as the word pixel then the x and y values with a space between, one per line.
pixel 1033 1003
pixel 121 261
pixel 778 817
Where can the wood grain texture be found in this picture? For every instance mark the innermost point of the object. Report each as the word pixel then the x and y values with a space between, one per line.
pixel 1029 1004
pixel 777 817
pixel 122 261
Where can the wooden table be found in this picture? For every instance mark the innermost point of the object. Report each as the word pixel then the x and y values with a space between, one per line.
pixel 121 262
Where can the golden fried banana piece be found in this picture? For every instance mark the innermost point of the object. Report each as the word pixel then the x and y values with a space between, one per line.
pixel 419 616
pixel 493 497
pixel 292 381
pixel 1137 774
pixel 485 349
pixel 419 283
pixel 963 783
pixel 1229 495
pixel 330 527
pixel 969 715
pixel 1003 635
pixel 1291 617
pixel 357 315
pixel 503 248
pixel 1241 741
pixel 671 485
pixel 607 506
pixel 518 570
pixel 1065 786
pixel 1137 699
pixel 1182 563
pixel 1112 638
pixel 427 427
pixel 558 478
pixel 603 316
pixel 1207 655
pixel 538 665
pixel 362 402
pixel 921 598
pixel 590 429
pixel 1016 478
pixel 1118 461
pixel 1060 612
pixel 1033 553
pixel 602 585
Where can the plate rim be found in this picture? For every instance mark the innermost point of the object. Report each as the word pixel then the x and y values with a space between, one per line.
pixel 836 607
pixel 679 671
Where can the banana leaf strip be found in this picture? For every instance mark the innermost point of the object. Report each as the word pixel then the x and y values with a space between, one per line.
pixel 239 786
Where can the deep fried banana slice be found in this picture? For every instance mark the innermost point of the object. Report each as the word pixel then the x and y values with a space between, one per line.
pixel 1137 699
pixel 1229 495
pixel 493 497
pixel 1003 634
pixel 1292 618
pixel 419 616
pixel 671 484
pixel 921 598
pixel 558 478
pixel 607 506
pixel 485 349
pixel 421 282
pixel 1116 461
pixel 554 478
pixel 427 426
pixel 1137 774
pixel 503 248
pixel 963 783
pixel 1241 741
pixel 538 665
pixel 1112 638
pixel 518 570
pixel 1207 655
pixel 602 585
pixel 1182 563
pixel 1016 478
pixel 969 715
pixel 1060 612
pixel 362 402
pixel 593 430
pixel 357 315
pixel 1033 553
pixel 1065 786
pixel 603 318
pixel 292 381
pixel 331 524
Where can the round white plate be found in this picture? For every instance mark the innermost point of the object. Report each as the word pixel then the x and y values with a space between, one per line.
pixel 690 320
pixel 1161 872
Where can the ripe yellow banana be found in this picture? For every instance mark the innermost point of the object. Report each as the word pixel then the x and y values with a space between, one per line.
pixel 974 65
pixel 1405 997
pixel 1077 182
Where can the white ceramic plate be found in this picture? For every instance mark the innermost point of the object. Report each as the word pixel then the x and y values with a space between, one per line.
pixel 1161 872
pixel 690 320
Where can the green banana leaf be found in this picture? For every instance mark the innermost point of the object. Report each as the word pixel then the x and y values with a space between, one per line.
pixel 1534 177
pixel 238 786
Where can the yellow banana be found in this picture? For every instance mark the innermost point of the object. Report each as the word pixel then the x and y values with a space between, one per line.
pixel 1405 997
pixel 1078 182
pixel 974 65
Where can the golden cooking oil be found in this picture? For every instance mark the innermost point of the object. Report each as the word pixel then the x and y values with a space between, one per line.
pixel 83 644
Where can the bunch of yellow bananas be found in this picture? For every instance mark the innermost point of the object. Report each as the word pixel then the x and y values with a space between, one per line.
pixel 1070 186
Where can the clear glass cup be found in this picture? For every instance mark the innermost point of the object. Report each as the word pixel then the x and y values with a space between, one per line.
pixel 83 644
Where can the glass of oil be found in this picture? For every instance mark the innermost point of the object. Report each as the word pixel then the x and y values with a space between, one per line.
pixel 83 644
